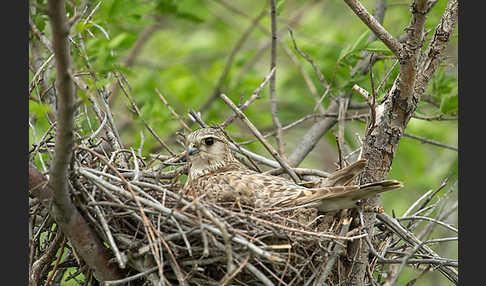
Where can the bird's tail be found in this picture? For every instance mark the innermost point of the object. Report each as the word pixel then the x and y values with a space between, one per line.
pixel 342 197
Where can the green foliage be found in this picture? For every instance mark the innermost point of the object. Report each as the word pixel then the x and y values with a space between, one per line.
pixel 378 47
pixel 185 58
pixel 449 104
pixel 39 109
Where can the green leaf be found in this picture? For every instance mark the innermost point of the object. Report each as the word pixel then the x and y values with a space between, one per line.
pixel 344 52
pixel 449 104
pixel 166 7
pixel 81 26
pixel 378 47
pixel 40 22
pixel 360 43
pixel 189 16
pixel 118 40
pixel 104 82
pixel 355 48
pixel 280 6
pixel 39 109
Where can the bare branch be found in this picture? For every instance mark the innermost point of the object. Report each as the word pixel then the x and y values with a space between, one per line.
pixel 432 142
pixel 273 91
pixel 255 95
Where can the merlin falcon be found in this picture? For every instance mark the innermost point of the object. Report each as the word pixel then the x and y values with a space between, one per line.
pixel 215 173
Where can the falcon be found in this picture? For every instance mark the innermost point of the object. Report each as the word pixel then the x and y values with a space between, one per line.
pixel 215 173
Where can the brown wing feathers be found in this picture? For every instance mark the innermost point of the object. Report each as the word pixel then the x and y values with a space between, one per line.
pixel 216 174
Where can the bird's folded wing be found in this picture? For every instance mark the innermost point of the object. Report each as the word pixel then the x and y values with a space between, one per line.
pixel 345 175
pixel 368 190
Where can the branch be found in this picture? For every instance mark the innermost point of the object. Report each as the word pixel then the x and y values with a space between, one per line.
pixel 65 123
pixel 273 91
pixel 255 95
pixel 318 129
pixel 432 142
pixel 73 225
pixel 435 52
pixel 380 32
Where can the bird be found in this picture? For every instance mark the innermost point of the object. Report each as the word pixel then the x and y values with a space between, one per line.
pixel 216 174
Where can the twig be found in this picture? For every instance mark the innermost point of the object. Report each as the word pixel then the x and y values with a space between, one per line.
pixel 310 85
pixel 449 272
pixel 257 133
pixel 432 142
pixel 439 117
pixel 255 95
pixel 373 100
pixel 316 69
pixel 38 73
pixel 331 260
pixel 429 219
pixel 183 124
pixel 137 111
pixel 56 264
pixel 402 265
pixel 43 39
pixel 230 266
pixel 273 90
pixel 120 257
pixel 340 152
pixel 45 259
pixel 385 78
pixel 236 271
pixel 130 278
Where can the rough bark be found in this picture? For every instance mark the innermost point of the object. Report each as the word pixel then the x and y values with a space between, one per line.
pixel 393 115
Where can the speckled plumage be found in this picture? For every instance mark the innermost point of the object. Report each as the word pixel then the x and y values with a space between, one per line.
pixel 215 173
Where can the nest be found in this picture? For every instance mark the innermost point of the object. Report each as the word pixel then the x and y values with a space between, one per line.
pixel 153 229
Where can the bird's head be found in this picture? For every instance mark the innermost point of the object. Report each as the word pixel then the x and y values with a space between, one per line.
pixel 208 150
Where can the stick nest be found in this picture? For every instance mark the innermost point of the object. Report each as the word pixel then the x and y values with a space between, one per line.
pixel 153 228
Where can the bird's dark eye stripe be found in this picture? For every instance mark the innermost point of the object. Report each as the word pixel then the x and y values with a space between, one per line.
pixel 209 141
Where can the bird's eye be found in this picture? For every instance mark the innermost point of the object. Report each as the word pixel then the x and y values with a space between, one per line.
pixel 209 141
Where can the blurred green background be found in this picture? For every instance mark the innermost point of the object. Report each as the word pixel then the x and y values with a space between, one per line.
pixel 190 42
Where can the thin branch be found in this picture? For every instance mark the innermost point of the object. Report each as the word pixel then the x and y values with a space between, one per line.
pixel 273 90
pixel 255 95
pixel 257 133
pixel 432 142
pixel 137 111
pixel 183 124
pixel 309 59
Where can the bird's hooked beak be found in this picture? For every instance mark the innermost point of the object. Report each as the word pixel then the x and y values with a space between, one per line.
pixel 192 150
